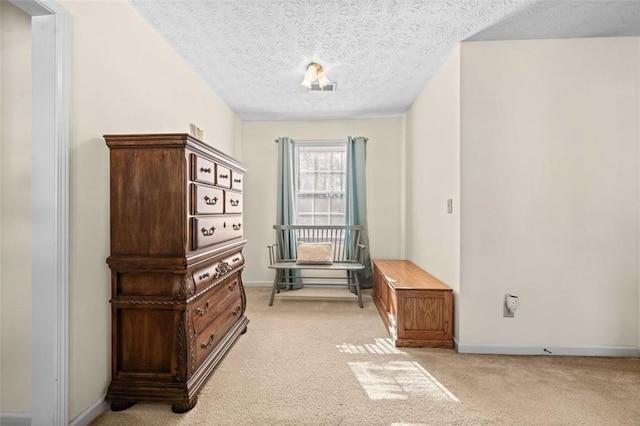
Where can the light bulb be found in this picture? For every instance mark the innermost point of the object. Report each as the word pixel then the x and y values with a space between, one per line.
pixel 322 79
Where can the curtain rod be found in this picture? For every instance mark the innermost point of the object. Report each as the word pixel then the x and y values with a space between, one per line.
pixel 318 140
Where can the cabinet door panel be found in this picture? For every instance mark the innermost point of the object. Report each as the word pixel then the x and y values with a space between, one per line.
pixel 424 315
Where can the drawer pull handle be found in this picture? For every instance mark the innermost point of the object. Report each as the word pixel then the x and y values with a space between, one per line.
pixel 237 180
pixel 222 268
pixel 224 176
pixel 203 276
pixel 232 286
pixel 201 311
pixel 235 259
pixel 234 203
pixel 237 310
pixel 210 201
pixel 208 344
pixel 207 170
pixel 236 227
pixel 208 232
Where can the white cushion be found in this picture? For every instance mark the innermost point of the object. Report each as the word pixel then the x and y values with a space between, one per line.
pixel 315 254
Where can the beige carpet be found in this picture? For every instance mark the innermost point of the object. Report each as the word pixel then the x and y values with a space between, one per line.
pixel 328 362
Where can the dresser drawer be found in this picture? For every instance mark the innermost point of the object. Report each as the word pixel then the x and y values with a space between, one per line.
pixel 236 182
pixel 210 304
pixel 223 176
pixel 233 202
pixel 206 200
pixel 203 277
pixel 203 170
pixel 212 334
pixel 210 231
pixel 235 260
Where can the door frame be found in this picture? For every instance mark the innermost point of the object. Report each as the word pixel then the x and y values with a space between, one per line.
pixel 50 218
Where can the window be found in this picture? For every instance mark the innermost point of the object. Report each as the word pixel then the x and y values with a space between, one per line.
pixel 321 172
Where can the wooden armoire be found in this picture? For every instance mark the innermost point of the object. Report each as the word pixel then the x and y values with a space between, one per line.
pixel 176 261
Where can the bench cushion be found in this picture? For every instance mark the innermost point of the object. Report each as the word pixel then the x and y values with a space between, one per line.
pixel 315 254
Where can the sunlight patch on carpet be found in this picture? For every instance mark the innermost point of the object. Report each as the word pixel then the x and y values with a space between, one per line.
pixel 399 380
pixel 381 346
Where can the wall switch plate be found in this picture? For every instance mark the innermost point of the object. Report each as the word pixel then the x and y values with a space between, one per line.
pixel 450 205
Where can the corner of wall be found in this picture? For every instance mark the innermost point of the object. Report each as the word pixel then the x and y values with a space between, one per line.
pixel 403 186
pixel 638 138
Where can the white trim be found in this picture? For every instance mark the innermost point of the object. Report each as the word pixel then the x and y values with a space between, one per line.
pixel 50 300
pixel 613 351
pixel 257 283
pixel 15 419
pixel 90 414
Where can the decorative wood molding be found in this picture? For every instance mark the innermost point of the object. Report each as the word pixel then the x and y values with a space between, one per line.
pixel 146 302
pixel 181 361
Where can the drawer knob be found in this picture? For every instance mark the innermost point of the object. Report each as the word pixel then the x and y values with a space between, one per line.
pixel 208 232
pixel 234 203
pixel 207 170
pixel 232 286
pixel 202 311
pixel 210 201
pixel 224 176
pixel 203 276
pixel 209 343
pixel 222 268
pixel 237 310
pixel 236 227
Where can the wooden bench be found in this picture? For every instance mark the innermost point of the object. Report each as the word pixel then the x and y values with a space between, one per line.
pixel 346 256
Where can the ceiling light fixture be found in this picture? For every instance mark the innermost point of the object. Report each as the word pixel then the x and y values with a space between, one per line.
pixel 315 73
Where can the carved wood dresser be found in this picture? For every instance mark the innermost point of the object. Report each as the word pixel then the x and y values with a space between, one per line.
pixel 176 261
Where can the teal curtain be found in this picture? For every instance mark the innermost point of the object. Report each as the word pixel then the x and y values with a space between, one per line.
pixel 356 193
pixel 286 199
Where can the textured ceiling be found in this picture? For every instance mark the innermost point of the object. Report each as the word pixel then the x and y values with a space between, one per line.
pixel 381 53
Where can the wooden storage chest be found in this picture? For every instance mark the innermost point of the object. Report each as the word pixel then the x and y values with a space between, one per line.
pixel 416 307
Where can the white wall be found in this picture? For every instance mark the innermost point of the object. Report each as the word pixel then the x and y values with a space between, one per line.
pixel 124 79
pixel 549 186
pixel 15 210
pixel 383 183
pixel 433 171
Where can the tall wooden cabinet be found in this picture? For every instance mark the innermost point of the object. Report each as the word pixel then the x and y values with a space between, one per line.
pixel 176 261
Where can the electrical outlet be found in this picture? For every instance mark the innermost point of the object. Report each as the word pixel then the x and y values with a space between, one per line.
pixel 510 305
pixel 506 312
pixel 450 205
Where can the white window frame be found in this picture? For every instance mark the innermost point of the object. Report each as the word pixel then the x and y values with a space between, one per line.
pixel 329 146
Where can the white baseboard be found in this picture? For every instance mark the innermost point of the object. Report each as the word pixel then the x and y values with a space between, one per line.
pixel 257 283
pixel 15 419
pixel 612 351
pixel 91 413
